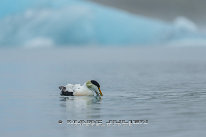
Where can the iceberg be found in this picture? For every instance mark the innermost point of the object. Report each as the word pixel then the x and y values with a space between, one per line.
pixel 85 23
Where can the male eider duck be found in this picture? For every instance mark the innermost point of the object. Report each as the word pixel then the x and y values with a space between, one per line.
pixel 90 88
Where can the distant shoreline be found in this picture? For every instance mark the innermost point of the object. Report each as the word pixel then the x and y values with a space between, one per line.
pixel 163 9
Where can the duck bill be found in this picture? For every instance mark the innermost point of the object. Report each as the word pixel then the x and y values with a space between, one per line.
pixel 100 92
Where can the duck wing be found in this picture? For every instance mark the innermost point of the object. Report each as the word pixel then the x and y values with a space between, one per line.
pixel 69 89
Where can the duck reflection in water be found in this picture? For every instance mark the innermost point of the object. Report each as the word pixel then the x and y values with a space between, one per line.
pixel 82 107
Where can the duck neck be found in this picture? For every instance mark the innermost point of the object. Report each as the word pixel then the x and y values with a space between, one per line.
pixel 91 89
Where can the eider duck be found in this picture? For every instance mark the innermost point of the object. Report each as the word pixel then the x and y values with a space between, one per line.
pixel 90 88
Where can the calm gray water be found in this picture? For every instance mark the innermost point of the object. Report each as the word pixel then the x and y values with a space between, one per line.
pixel 166 86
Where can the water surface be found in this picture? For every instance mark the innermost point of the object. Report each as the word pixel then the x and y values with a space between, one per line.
pixel 165 86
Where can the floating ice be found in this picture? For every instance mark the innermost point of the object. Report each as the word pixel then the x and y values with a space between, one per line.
pixel 85 23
